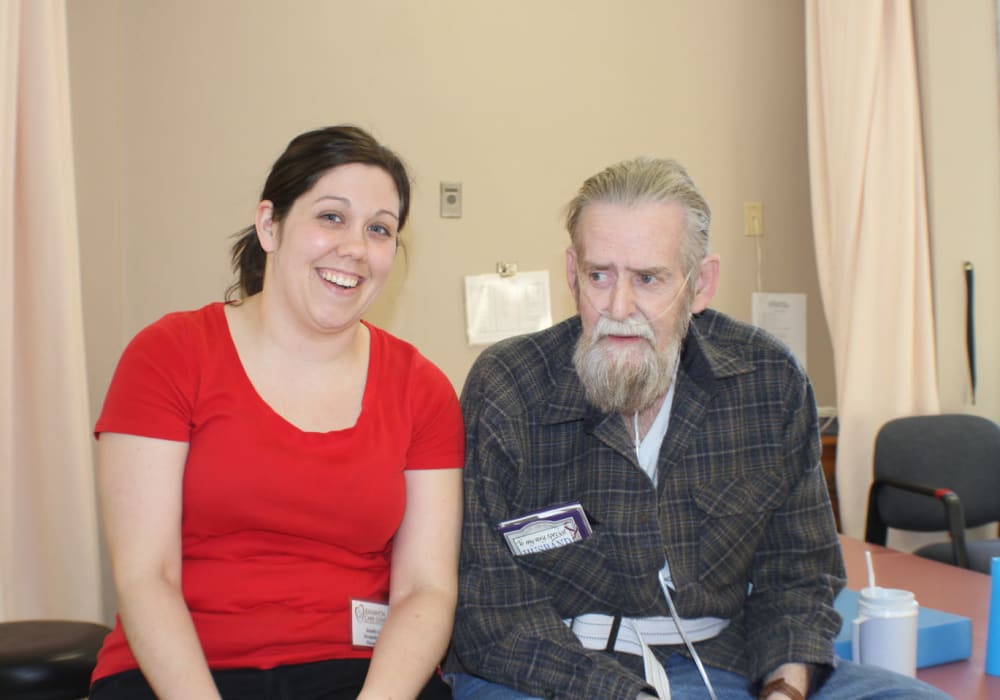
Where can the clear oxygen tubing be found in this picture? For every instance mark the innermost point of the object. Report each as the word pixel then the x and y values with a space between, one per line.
pixel 642 328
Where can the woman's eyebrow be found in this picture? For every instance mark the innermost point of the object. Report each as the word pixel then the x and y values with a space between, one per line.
pixel 347 202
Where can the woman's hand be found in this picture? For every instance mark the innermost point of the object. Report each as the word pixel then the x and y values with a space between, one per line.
pixel 423 586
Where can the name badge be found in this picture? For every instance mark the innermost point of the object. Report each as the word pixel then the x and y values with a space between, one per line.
pixel 546 529
pixel 367 618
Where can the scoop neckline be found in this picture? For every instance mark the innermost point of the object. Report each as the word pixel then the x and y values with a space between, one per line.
pixel 252 390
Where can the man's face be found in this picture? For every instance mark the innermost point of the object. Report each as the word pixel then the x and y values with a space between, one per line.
pixel 633 298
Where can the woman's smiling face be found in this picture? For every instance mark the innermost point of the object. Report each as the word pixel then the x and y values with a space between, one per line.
pixel 332 253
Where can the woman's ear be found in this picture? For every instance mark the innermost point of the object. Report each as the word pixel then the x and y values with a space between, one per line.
pixel 706 282
pixel 267 228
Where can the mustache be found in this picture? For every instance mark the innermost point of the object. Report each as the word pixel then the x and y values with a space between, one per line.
pixel 606 326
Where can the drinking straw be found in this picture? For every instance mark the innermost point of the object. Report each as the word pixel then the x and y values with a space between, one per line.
pixel 871 569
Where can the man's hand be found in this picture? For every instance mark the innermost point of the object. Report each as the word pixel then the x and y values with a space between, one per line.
pixel 796 675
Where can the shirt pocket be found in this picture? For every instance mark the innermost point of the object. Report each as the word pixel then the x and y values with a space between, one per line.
pixel 733 514
pixel 577 576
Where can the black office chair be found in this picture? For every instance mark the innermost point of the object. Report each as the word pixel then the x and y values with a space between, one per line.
pixel 48 659
pixel 939 472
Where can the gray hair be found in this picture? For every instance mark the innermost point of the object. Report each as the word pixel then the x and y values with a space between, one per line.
pixel 643 180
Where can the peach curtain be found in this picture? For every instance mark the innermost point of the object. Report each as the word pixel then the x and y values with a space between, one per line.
pixel 870 225
pixel 49 561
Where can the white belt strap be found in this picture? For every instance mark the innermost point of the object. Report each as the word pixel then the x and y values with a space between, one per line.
pixel 592 629
pixel 655 674
pixel 636 635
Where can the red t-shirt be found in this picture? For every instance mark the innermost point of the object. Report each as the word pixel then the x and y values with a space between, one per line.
pixel 281 528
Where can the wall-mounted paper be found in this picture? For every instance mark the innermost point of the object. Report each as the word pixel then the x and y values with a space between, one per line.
pixel 783 316
pixel 498 307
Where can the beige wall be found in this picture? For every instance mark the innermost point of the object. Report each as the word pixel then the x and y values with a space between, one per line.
pixel 957 47
pixel 180 107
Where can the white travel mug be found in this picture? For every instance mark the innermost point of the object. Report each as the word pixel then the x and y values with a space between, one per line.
pixel 885 630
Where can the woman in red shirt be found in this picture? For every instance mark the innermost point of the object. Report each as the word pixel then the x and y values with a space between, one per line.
pixel 280 479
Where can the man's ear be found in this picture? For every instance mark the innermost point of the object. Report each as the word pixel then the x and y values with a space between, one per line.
pixel 706 282
pixel 571 270
pixel 267 228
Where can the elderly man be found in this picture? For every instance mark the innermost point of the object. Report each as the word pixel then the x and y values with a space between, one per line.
pixel 644 506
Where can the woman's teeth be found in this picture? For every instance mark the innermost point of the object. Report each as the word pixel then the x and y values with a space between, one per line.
pixel 339 280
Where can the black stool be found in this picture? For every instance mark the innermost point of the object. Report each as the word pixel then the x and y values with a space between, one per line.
pixel 48 659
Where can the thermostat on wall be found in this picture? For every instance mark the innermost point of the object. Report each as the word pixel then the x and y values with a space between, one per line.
pixel 451 200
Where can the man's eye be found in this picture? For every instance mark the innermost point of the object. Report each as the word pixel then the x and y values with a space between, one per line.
pixel 647 279
pixel 597 276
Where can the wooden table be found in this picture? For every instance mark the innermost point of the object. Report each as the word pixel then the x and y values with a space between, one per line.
pixel 940 586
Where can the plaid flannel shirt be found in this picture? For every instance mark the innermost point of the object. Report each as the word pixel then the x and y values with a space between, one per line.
pixel 741 514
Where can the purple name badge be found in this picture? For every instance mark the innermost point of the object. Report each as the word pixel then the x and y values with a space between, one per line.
pixel 546 529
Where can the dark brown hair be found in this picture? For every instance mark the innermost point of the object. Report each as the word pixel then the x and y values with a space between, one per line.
pixel 305 160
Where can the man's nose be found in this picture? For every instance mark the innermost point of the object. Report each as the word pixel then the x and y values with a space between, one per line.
pixel 622 304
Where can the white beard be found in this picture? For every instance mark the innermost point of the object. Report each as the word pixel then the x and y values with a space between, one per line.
pixel 629 380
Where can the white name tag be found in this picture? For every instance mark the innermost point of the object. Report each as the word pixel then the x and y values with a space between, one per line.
pixel 546 529
pixel 367 619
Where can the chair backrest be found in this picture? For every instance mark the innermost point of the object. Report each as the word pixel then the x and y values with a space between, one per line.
pixel 954 451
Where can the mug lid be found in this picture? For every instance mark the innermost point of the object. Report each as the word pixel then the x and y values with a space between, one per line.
pixel 886 599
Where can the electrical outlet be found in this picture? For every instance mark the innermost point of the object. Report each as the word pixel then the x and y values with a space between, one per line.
pixel 753 219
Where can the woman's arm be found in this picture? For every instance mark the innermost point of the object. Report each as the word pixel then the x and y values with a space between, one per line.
pixel 139 481
pixel 423 587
